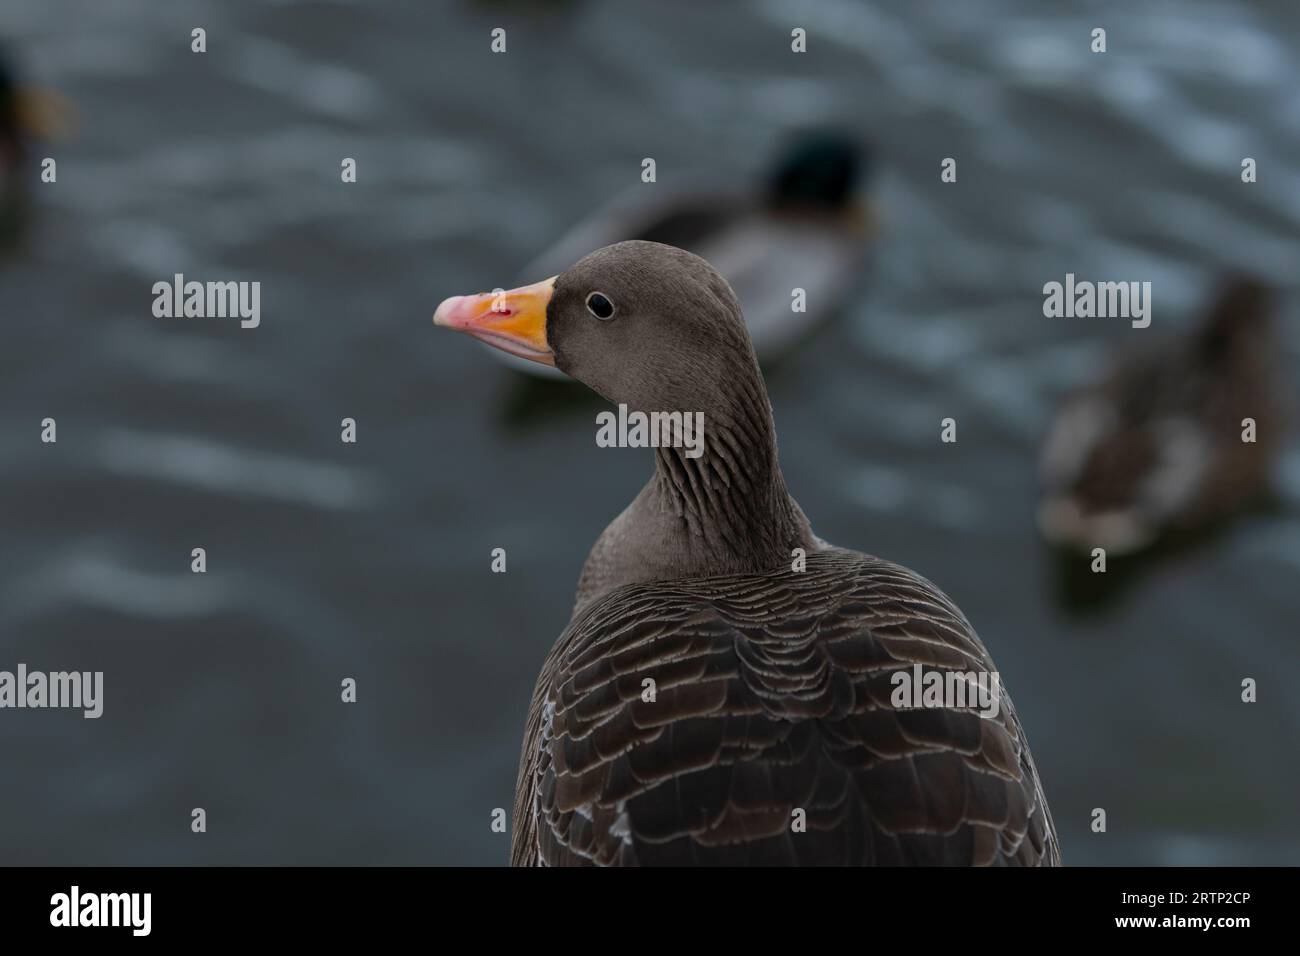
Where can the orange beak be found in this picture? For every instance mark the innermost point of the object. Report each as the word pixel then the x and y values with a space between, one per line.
pixel 513 321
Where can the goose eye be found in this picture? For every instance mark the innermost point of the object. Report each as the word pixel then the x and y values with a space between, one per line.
pixel 600 306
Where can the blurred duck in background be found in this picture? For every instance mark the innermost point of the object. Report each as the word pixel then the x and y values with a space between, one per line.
pixel 27 116
pixel 804 227
pixel 1161 446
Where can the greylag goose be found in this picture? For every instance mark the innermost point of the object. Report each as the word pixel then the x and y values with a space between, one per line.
pixel 803 227
pixel 1158 445
pixel 713 699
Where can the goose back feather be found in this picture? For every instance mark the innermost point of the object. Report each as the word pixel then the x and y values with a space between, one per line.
pixel 772 695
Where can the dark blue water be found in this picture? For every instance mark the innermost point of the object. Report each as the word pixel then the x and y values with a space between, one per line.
pixel 371 560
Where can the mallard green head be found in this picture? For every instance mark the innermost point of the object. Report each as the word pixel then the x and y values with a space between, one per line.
pixel 818 171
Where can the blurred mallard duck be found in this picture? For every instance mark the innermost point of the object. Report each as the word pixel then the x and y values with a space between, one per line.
pixel 13 153
pixel 27 116
pixel 802 228
pixel 1157 445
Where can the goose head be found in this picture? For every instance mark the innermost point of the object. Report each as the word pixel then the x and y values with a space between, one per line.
pixel 659 331
pixel 640 323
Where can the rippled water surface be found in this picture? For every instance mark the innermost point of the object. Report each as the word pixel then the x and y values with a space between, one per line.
pixel 371 561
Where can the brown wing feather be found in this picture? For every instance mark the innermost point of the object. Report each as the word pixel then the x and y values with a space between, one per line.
pixel 772 693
